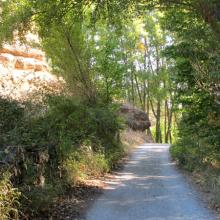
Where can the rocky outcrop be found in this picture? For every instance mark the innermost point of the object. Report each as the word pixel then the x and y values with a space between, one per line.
pixel 35 54
pixel 137 123
pixel 24 71
pixel 23 58
pixel 135 118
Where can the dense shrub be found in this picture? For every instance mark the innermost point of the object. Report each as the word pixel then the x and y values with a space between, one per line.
pixel 197 148
pixel 11 114
pixel 83 164
pixel 198 144
pixel 69 142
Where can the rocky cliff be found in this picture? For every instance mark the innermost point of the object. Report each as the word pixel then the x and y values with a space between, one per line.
pixel 24 71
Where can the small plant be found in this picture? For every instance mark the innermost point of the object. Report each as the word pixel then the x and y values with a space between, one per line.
pixel 83 164
pixel 39 200
pixel 9 198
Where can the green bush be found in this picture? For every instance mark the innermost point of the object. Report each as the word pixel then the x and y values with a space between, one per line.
pixel 11 114
pixel 79 124
pixel 84 164
pixel 79 139
pixel 69 120
pixel 38 200
pixel 185 156
pixel 198 143
pixel 9 198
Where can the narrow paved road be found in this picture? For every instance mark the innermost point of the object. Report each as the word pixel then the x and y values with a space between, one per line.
pixel 149 187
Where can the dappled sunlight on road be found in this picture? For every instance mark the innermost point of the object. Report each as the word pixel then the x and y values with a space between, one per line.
pixel 149 187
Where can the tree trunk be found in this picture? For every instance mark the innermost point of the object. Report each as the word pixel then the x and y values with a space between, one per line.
pixel 165 120
pixel 138 90
pixel 158 125
pixel 132 89
pixel 169 129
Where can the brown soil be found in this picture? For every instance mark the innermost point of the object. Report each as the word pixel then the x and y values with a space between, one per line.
pixel 74 204
pixel 76 201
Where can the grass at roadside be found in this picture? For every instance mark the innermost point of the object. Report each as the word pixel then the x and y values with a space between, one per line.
pixel 204 173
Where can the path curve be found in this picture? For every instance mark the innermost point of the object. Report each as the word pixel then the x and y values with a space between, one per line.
pixel 149 188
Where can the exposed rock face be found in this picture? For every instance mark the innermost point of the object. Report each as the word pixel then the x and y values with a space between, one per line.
pixel 24 71
pixel 29 53
pixel 23 58
pixel 136 119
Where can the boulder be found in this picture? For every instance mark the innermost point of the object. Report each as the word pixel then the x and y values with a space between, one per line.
pixel 135 118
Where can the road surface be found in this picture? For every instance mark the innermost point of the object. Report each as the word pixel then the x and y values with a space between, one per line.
pixel 149 188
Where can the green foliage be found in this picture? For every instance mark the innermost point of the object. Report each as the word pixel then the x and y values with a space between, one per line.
pixel 198 144
pixel 81 122
pixel 9 198
pixel 38 200
pixel 196 54
pixel 72 124
pixel 80 165
pixel 69 142
pixel 105 48
pixel 11 114
pixel 65 45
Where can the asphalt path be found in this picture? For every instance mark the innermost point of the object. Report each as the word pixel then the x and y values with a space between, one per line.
pixel 149 187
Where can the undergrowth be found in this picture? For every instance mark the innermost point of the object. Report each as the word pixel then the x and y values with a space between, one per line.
pixel 9 198
pixel 68 142
pixel 197 148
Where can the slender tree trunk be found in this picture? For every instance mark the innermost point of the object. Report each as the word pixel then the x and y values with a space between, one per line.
pixel 170 122
pixel 165 121
pixel 148 113
pixel 144 96
pixel 158 118
pixel 107 90
pixel 83 71
pixel 145 69
pixel 132 89
pixel 138 90
pixel 148 103
pixel 158 125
